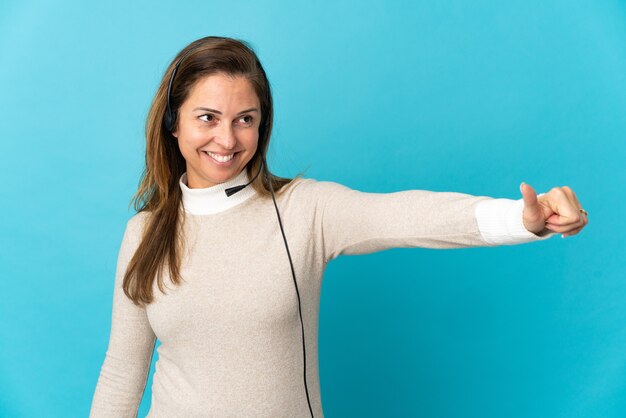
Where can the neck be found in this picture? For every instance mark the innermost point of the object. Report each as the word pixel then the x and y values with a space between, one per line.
pixel 210 200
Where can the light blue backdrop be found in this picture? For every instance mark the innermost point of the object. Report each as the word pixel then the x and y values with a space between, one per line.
pixel 452 95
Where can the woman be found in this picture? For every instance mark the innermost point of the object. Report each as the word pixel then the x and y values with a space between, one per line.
pixel 228 278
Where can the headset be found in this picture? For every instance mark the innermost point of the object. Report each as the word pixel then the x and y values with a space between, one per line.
pixel 169 122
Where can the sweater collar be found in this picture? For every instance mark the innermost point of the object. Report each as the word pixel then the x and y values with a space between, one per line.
pixel 209 200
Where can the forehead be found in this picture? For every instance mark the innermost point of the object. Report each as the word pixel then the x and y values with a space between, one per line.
pixel 223 89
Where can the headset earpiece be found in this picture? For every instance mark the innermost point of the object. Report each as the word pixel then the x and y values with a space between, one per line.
pixel 168 120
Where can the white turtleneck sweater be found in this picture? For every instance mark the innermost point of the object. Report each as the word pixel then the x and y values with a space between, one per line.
pixel 230 333
pixel 213 199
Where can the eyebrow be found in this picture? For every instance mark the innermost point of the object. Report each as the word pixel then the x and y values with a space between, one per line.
pixel 252 109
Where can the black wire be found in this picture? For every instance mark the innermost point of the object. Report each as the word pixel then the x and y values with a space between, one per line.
pixel 233 190
pixel 306 389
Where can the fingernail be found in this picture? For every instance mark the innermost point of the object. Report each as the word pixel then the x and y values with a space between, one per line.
pixel 562 235
pixel 520 187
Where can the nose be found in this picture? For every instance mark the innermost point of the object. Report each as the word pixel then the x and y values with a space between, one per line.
pixel 225 137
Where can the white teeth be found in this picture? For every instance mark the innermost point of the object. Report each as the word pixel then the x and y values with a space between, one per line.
pixel 220 158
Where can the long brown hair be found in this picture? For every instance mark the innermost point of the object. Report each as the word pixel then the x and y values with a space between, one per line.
pixel 159 192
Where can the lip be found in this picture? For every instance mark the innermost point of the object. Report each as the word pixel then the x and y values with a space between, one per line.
pixel 221 154
pixel 218 163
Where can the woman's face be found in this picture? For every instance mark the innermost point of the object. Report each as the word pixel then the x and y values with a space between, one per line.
pixel 221 117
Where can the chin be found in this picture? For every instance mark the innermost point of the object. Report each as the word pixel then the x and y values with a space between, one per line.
pixel 222 177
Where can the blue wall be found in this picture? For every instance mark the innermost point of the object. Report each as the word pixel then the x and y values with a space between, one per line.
pixel 449 95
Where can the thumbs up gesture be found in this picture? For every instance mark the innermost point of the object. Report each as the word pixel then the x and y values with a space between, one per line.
pixel 558 210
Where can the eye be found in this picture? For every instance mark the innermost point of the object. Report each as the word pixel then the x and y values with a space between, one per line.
pixel 209 115
pixel 249 121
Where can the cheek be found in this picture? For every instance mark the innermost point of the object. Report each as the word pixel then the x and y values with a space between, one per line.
pixel 191 139
pixel 250 138
pixel 196 135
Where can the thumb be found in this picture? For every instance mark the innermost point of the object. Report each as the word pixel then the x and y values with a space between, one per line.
pixel 532 208
pixel 530 196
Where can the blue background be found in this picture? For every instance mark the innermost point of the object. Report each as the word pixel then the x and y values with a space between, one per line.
pixel 453 95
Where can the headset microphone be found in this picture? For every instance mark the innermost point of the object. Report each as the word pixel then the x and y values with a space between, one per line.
pixel 232 190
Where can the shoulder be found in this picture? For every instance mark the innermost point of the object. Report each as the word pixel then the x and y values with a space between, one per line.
pixel 136 224
pixel 305 196
pixel 138 218
pixel 311 187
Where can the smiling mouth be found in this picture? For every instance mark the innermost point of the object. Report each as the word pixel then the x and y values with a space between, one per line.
pixel 220 158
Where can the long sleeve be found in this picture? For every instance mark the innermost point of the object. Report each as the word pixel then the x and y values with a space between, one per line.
pixel 501 223
pixel 125 369
pixel 355 222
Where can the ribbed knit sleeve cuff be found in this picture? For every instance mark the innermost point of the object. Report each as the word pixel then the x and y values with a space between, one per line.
pixel 500 222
